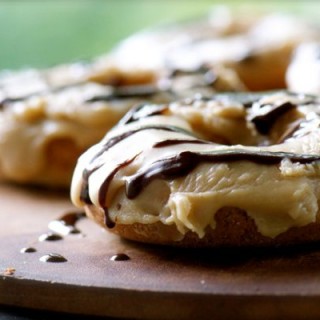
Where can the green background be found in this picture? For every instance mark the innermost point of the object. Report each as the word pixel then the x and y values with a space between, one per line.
pixel 40 33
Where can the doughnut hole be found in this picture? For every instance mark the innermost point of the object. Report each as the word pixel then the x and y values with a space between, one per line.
pixel 261 72
pixel 226 132
pixel 218 122
pixel 224 126
pixel 285 126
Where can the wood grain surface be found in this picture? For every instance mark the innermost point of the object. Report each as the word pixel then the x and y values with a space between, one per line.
pixel 156 282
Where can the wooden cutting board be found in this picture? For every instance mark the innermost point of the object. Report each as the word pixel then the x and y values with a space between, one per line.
pixel 155 283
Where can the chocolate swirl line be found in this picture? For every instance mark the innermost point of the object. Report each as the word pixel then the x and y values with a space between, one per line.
pixel 6 101
pixel 133 91
pixel 9 100
pixel 84 193
pixel 207 74
pixel 104 191
pixel 171 142
pixel 175 72
pixel 137 91
pixel 264 122
pixel 142 111
pixel 183 163
pixel 248 99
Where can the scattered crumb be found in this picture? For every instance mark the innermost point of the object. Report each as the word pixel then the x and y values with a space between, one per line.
pixel 9 271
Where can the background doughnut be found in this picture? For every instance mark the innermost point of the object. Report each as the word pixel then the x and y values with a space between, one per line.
pixel 50 130
pixel 259 53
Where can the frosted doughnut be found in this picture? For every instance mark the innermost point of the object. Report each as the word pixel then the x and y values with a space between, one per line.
pixel 42 135
pixel 162 175
pixel 259 53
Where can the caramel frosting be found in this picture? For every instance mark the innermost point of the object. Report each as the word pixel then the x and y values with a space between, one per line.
pixel 157 166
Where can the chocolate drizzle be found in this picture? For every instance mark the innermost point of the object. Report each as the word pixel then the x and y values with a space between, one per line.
pixel 66 224
pixel 84 193
pixel 133 91
pixel 28 250
pixel 53 257
pixel 50 237
pixel 143 111
pixel 204 75
pixel 9 100
pixel 104 191
pixel 120 257
pixel 185 162
pixel 112 92
pixel 264 122
pixel 171 142
pixel 176 72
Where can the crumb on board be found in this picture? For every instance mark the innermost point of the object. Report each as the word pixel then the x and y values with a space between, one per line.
pixel 9 271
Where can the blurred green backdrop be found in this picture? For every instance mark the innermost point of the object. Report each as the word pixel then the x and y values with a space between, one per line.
pixel 43 33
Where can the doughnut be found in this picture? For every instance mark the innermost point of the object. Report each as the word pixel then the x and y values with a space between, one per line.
pixel 144 54
pixel 50 130
pixel 208 171
pixel 303 73
pixel 259 53
pixel 128 63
